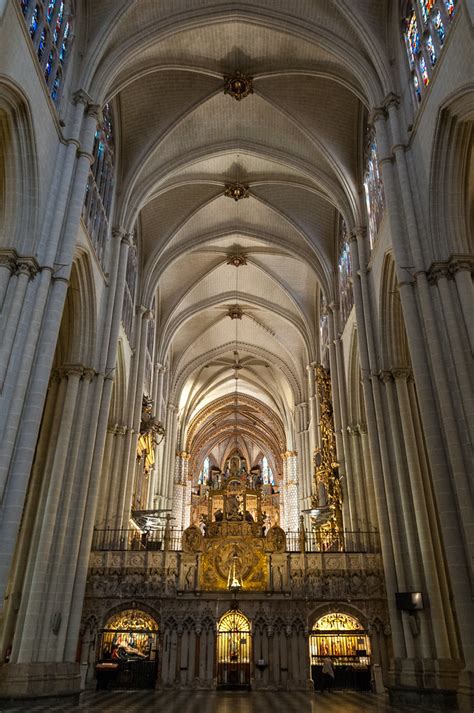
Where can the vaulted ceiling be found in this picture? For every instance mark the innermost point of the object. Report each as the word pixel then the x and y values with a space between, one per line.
pixel 295 141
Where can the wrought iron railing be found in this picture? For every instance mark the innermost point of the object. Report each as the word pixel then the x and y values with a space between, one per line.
pixel 170 539
pixel 124 540
pixel 357 541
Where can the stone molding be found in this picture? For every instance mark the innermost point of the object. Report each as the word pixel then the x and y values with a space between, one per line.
pixel 18 264
pixel 448 268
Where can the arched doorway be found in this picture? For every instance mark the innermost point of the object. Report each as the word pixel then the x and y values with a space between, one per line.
pixel 344 640
pixel 233 651
pixel 128 651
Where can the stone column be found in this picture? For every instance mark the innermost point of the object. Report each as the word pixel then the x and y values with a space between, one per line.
pixel 460 351
pixel 461 268
pixel 439 632
pixel 436 408
pixel 134 401
pixel 377 444
pixel 25 648
pixel 408 533
pixel 180 487
pixel 8 258
pixel 290 491
pixel 25 391
pixel 369 476
pixel 362 521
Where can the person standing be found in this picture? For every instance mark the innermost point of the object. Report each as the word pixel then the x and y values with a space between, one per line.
pixel 327 678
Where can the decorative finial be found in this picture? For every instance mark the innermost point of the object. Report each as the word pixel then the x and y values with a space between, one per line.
pixel 236 191
pixel 238 86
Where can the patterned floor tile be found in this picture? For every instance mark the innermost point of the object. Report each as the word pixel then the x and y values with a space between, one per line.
pixel 219 702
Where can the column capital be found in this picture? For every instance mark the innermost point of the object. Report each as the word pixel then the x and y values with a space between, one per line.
pixel 8 259
pixel 391 101
pixel 71 370
pixel 89 373
pixel 385 376
pixel 288 454
pixel 401 373
pixel 458 263
pixel 118 232
pixel 438 271
pixel 26 265
pixel 359 233
pixel 184 455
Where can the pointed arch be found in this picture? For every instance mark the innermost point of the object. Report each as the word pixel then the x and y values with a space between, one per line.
pixel 394 342
pixel 18 172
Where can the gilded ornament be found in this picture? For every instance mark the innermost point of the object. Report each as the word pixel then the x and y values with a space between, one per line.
pixel 237 191
pixel 238 86
pixel 237 260
pixel 235 312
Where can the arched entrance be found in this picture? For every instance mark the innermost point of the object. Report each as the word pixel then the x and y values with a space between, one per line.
pixel 128 651
pixel 233 651
pixel 344 640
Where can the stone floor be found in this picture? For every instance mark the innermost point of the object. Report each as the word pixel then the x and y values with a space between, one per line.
pixel 221 702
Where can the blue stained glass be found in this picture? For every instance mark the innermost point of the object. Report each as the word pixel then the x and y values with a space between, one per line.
pixel 416 84
pixel 24 6
pixel 42 43
pixel 63 49
pixel 424 72
pixel 449 5
pixel 55 87
pixel 34 21
pixel 439 27
pixel 50 11
pixel 49 65
pixel 59 22
pixel 374 192
pixel 431 51
pixel 426 6
pixel 412 36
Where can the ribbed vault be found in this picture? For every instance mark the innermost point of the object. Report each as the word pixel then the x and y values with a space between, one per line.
pixel 295 142
pixel 236 421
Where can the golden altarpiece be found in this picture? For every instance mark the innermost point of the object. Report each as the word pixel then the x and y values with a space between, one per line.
pixel 233 537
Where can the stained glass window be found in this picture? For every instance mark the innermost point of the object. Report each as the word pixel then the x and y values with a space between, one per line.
pixel 431 51
pixel 439 27
pixel 412 36
pixel 266 471
pixel 373 187
pixel 99 189
pixel 129 292
pixel 426 6
pixel 449 5
pixel 204 474
pixel 323 326
pixel 423 48
pixel 49 25
pixel 424 72
pixel 346 297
